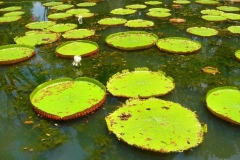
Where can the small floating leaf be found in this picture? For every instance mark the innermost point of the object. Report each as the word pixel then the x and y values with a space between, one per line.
pixel 210 70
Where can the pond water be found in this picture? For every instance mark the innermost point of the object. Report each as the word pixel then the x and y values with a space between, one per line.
pixel 88 137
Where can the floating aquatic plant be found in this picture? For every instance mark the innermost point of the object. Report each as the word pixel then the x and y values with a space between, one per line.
pixel 86 4
pixel 234 29
pixel 40 25
pixel 9 19
pixel 85 15
pixel 112 21
pixel 159 10
pixel 214 18
pixel 207 2
pixel 210 70
pixel 10 9
pixel 78 34
pixel 59 16
pixel 15 13
pixel 139 23
pixel 62 7
pixel 237 54
pixel 177 20
pixel 213 12
pixel 121 11
pixel 228 8
pixel 232 16
pixel 202 31
pixel 181 2
pixel 136 6
pixel 78 11
pixel 156 14
pixel 62 27
pixel 152 3
pixel 51 4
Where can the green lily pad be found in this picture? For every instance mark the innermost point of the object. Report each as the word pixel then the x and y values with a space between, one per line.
pixel 85 15
pixel 78 34
pixel 37 39
pixel 62 7
pixel 214 18
pixel 132 40
pixel 15 13
pixel 224 102
pixel 121 11
pixel 140 83
pixel 77 48
pixel 64 99
pixel 62 27
pixel 207 2
pixel 112 21
pixel 139 23
pixel 234 29
pixel 40 25
pixel 210 70
pixel 156 125
pixel 156 14
pixel 202 31
pixel 51 4
pixel 86 4
pixel 213 12
pixel 36 32
pixel 10 9
pixel 159 10
pixel 58 16
pixel 15 53
pixel 228 8
pixel 9 19
pixel 77 11
pixel 136 6
pixel 178 45
pixel 181 2
pixel 237 54
pixel 152 3
pixel 232 16
pixel 1 3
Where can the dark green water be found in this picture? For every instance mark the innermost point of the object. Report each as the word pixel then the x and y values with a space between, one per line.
pixel 88 137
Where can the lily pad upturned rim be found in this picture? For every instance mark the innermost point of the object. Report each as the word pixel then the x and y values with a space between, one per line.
pixel 170 50
pixel 152 124
pixel 76 11
pixel 156 14
pixel 228 8
pixel 78 41
pixel 62 7
pixel 9 19
pixel 86 4
pixel 113 21
pixel 125 84
pixel 237 54
pixel 138 23
pixel 136 6
pixel 72 116
pixel 137 33
pixel 181 2
pixel 85 15
pixel 159 10
pixel 14 13
pixel 10 9
pixel 123 11
pixel 232 16
pixel 40 25
pixel 202 31
pixel 207 2
pixel 58 16
pixel 54 28
pixel 152 2
pixel 75 31
pixel 25 57
pixel 214 93
pixel 214 18
pixel 51 4
pixel 212 12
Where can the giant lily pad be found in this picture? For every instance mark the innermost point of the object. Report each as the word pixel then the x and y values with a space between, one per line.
pixel 79 48
pixel 178 45
pixel 213 12
pixel 37 39
pixel 159 10
pixel 232 16
pixel 15 13
pixel 64 99
pixel 214 18
pixel 156 14
pixel 237 54
pixel 112 21
pixel 9 19
pixel 58 16
pixel 10 9
pixel 51 4
pixel 234 29
pixel 121 11
pixel 131 40
pixel 228 8
pixel 136 6
pixel 85 15
pixel 61 27
pixel 62 7
pixel 40 25
pixel 207 2
pixel 15 53
pixel 140 83
pixel 177 20
pixel 77 11
pixel 181 2
pixel 152 3
pixel 202 31
pixel 86 4
pixel 156 125
pixel 78 34
pixel 139 23
pixel 224 102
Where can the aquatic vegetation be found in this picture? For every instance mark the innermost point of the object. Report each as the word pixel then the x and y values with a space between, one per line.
pixel 77 11
pixel 59 16
pixel 40 25
pixel 9 19
pixel 10 9
pixel 85 15
pixel 202 31
pixel 51 4
pixel 139 23
pixel 62 27
pixel 237 54
pixel 153 3
pixel 86 4
pixel 14 13
pixel 112 21
pixel 78 34
pixel 122 11
pixel 62 7
pixel 210 70
pixel 228 8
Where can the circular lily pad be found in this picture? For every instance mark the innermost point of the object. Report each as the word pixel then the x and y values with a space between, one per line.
pixel 112 21
pixel 232 16
pixel 51 4
pixel 77 48
pixel 78 34
pixel 202 31
pixel 213 12
pixel 136 6
pixel 210 70
pixel 132 40
pixel 9 19
pixel 214 18
pixel 36 32
pixel 228 8
pixel 86 4
pixel 61 27
pixel 237 54
pixel 140 83
pixel 40 25
pixel 15 13
pixel 156 125
pixel 177 20
pixel 77 11
pixel 85 15
pixel 64 99
pixel 62 7
pixel 207 2
pixel 181 2
pixel 58 16
pixel 224 102
pixel 37 39
pixel 156 14
pixel 121 11
pixel 178 45
pixel 159 10
pixel 10 9
pixel 139 23
pixel 152 3
pixel 15 53
pixel 234 29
